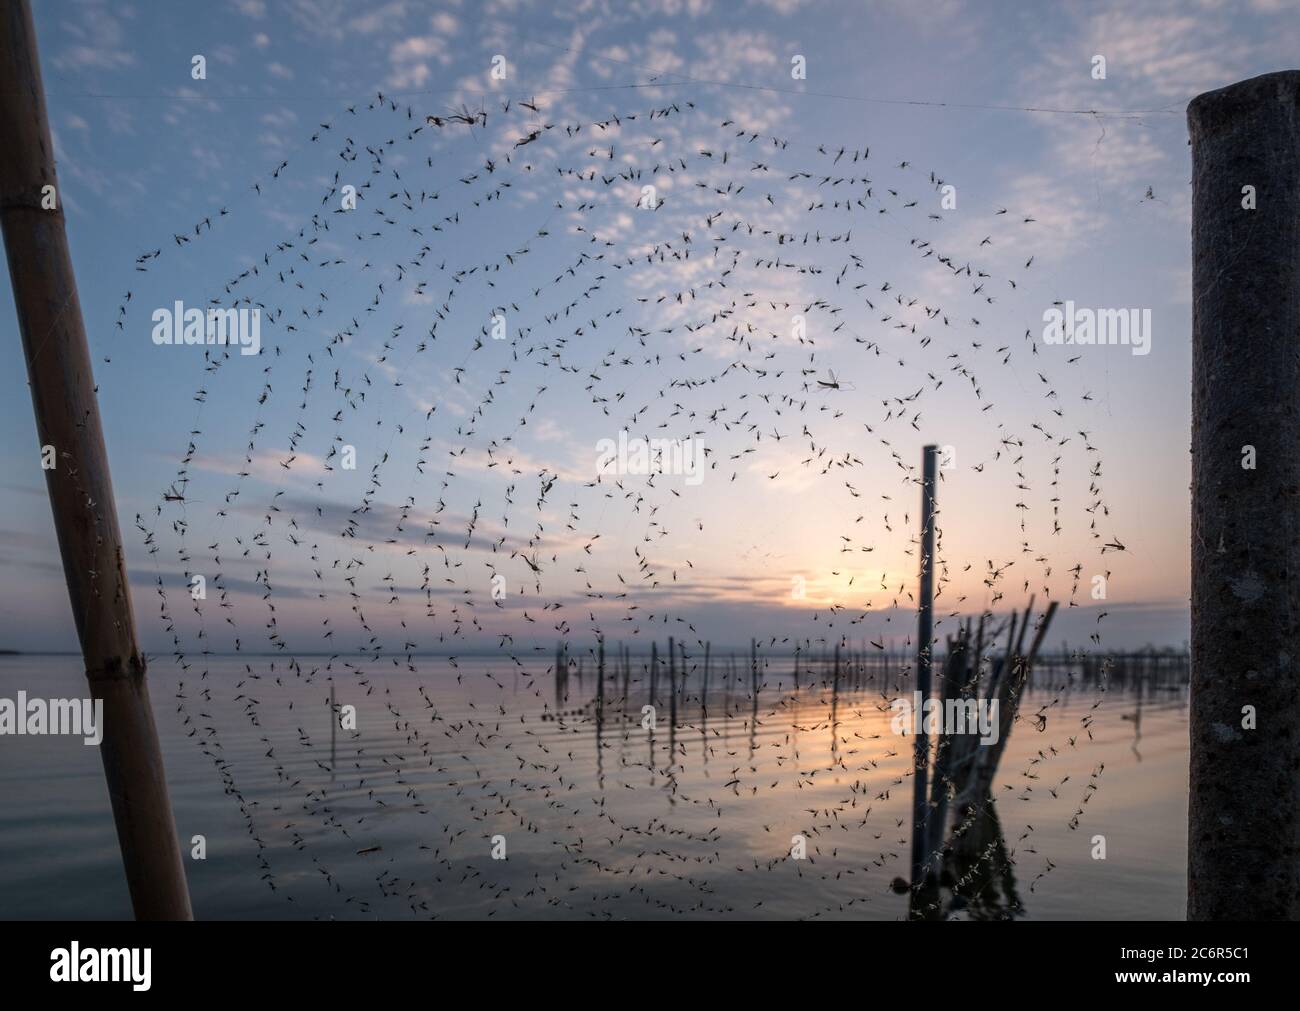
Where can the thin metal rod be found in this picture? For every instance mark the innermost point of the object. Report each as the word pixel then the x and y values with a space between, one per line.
pixel 924 635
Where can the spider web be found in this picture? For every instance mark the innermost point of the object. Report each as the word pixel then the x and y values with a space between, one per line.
pixel 507 287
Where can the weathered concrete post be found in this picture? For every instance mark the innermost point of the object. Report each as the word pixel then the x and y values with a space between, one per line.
pixel 81 492
pixel 1244 812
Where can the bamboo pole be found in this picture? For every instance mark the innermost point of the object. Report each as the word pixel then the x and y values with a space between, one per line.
pixel 1243 830
pixel 80 488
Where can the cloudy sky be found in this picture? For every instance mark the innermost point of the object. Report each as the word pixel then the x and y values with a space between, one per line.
pixel 811 370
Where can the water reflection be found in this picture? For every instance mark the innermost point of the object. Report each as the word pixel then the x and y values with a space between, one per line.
pixel 609 811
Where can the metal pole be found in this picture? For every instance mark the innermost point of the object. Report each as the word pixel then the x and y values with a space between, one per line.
pixel 81 493
pixel 1243 828
pixel 924 635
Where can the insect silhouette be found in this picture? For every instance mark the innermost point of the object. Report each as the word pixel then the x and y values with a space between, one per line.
pixel 833 382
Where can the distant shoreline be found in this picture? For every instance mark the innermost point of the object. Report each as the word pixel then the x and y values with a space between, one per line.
pixel 1166 652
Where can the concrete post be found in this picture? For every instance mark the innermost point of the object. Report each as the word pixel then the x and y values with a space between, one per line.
pixel 1244 806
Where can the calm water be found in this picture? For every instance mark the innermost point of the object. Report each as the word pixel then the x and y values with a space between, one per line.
pixel 599 818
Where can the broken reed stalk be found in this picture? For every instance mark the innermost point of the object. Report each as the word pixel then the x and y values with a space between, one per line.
pixel 1009 696
pixel 973 767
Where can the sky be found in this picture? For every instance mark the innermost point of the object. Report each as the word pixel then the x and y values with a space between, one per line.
pixel 810 371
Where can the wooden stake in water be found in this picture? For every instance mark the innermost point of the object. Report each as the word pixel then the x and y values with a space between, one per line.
pixel 600 712
pixel 672 683
pixel 600 679
pixel 924 633
pixel 81 491
pixel 1243 829
pixel 654 671
pixel 704 693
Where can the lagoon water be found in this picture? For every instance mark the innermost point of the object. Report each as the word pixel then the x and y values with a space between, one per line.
pixel 598 817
